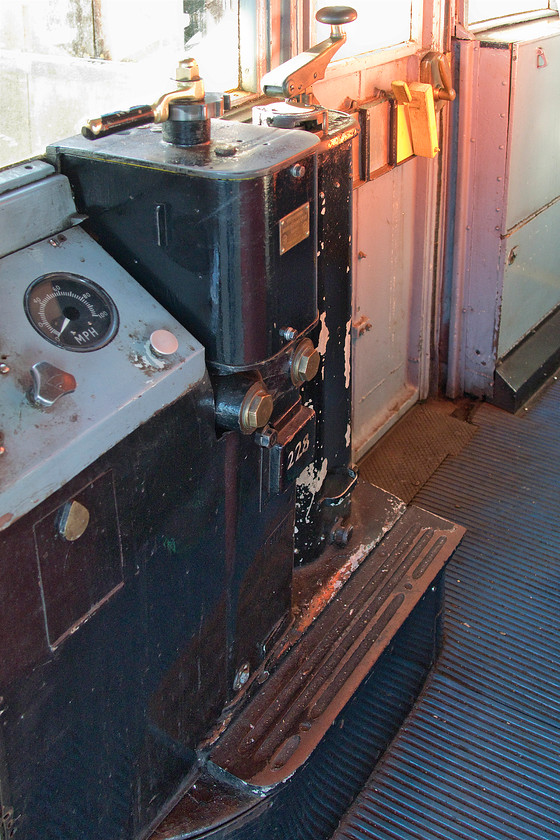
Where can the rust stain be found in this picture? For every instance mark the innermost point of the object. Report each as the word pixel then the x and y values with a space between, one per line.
pixel 325 595
pixel 4 520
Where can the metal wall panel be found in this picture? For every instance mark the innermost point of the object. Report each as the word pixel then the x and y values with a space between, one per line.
pixel 384 247
pixel 531 277
pixel 478 223
pixel 534 131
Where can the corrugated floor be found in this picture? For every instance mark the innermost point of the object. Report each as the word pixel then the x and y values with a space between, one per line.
pixel 415 447
pixel 479 756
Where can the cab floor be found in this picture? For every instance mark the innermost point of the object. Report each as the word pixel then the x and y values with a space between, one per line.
pixel 477 756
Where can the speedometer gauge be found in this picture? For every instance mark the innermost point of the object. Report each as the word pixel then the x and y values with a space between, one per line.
pixel 70 311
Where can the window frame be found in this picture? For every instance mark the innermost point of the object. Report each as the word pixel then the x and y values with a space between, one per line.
pixel 504 20
pixel 272 32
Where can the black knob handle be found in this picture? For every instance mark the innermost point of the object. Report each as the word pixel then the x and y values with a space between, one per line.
pixel 336 15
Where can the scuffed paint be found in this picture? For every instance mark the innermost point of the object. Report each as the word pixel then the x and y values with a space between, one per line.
pixel 348 437
pixel 327 592
pixel 5 520
pixel 323 340
pixel 334 584
pixel 310 481
pixel 323 335
pixel 348 353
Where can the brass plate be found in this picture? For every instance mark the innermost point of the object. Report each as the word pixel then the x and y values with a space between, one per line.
pixel 294 228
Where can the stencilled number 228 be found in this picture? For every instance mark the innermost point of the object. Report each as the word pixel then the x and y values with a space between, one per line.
pixel 296 453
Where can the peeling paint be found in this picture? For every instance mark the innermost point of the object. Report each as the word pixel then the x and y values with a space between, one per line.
pixel 311 480
pixel 348 353
pixel 334 584
pixel 6 519
pixel 323 335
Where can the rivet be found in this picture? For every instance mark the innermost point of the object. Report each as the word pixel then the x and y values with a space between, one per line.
pixel 4 368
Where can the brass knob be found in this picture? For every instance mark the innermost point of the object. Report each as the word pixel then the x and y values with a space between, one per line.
pixel 305 362
pixel 256 409
pixel 73 521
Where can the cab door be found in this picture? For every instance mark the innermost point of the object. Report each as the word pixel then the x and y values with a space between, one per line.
pixel 398 212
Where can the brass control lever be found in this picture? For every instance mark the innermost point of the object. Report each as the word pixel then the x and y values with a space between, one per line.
pixel 294 79
pixel 435 71
pixel 190 94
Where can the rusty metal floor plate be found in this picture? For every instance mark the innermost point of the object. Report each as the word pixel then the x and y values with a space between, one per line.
pixel 281 726
pixel 412 451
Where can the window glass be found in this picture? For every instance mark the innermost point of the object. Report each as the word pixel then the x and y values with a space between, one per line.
pixel 480 10
pixel 380 23
pixel 64 61
pixel 211 37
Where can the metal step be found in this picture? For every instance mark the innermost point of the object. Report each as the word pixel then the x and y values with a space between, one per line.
pixel 281 726
pixel 528 366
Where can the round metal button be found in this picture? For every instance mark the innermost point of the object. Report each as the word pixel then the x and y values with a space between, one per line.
pixel 163 343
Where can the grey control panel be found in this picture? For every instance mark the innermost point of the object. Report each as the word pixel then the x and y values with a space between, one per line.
pixel 86 354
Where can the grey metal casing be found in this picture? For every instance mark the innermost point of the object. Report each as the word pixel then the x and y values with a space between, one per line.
pixel 119 386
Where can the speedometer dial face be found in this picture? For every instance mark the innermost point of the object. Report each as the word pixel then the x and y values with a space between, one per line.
pixel 70 311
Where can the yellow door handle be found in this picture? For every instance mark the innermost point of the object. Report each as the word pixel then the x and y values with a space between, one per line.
pixel 420 115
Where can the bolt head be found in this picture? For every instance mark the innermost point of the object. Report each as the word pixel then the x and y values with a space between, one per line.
pixel 288 333
pixel 342 535
pixel 256 409
pixel 187 70
pixel 305 362
pixel 259 411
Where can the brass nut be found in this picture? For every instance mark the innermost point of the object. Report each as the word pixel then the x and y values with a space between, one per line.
pixel 256 409
pixel 187 70
pixel 305 362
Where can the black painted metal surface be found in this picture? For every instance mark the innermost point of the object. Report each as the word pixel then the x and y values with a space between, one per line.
pixel 115 646
pixel 201 230
pixel 523 371
pixel 330 395
pixel 478 756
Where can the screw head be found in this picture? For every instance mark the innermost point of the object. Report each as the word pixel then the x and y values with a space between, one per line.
pixel 342 534
pixel 288 333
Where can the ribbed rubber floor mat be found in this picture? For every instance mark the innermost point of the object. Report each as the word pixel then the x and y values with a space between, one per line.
pixel 413 450
pixel 479 756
